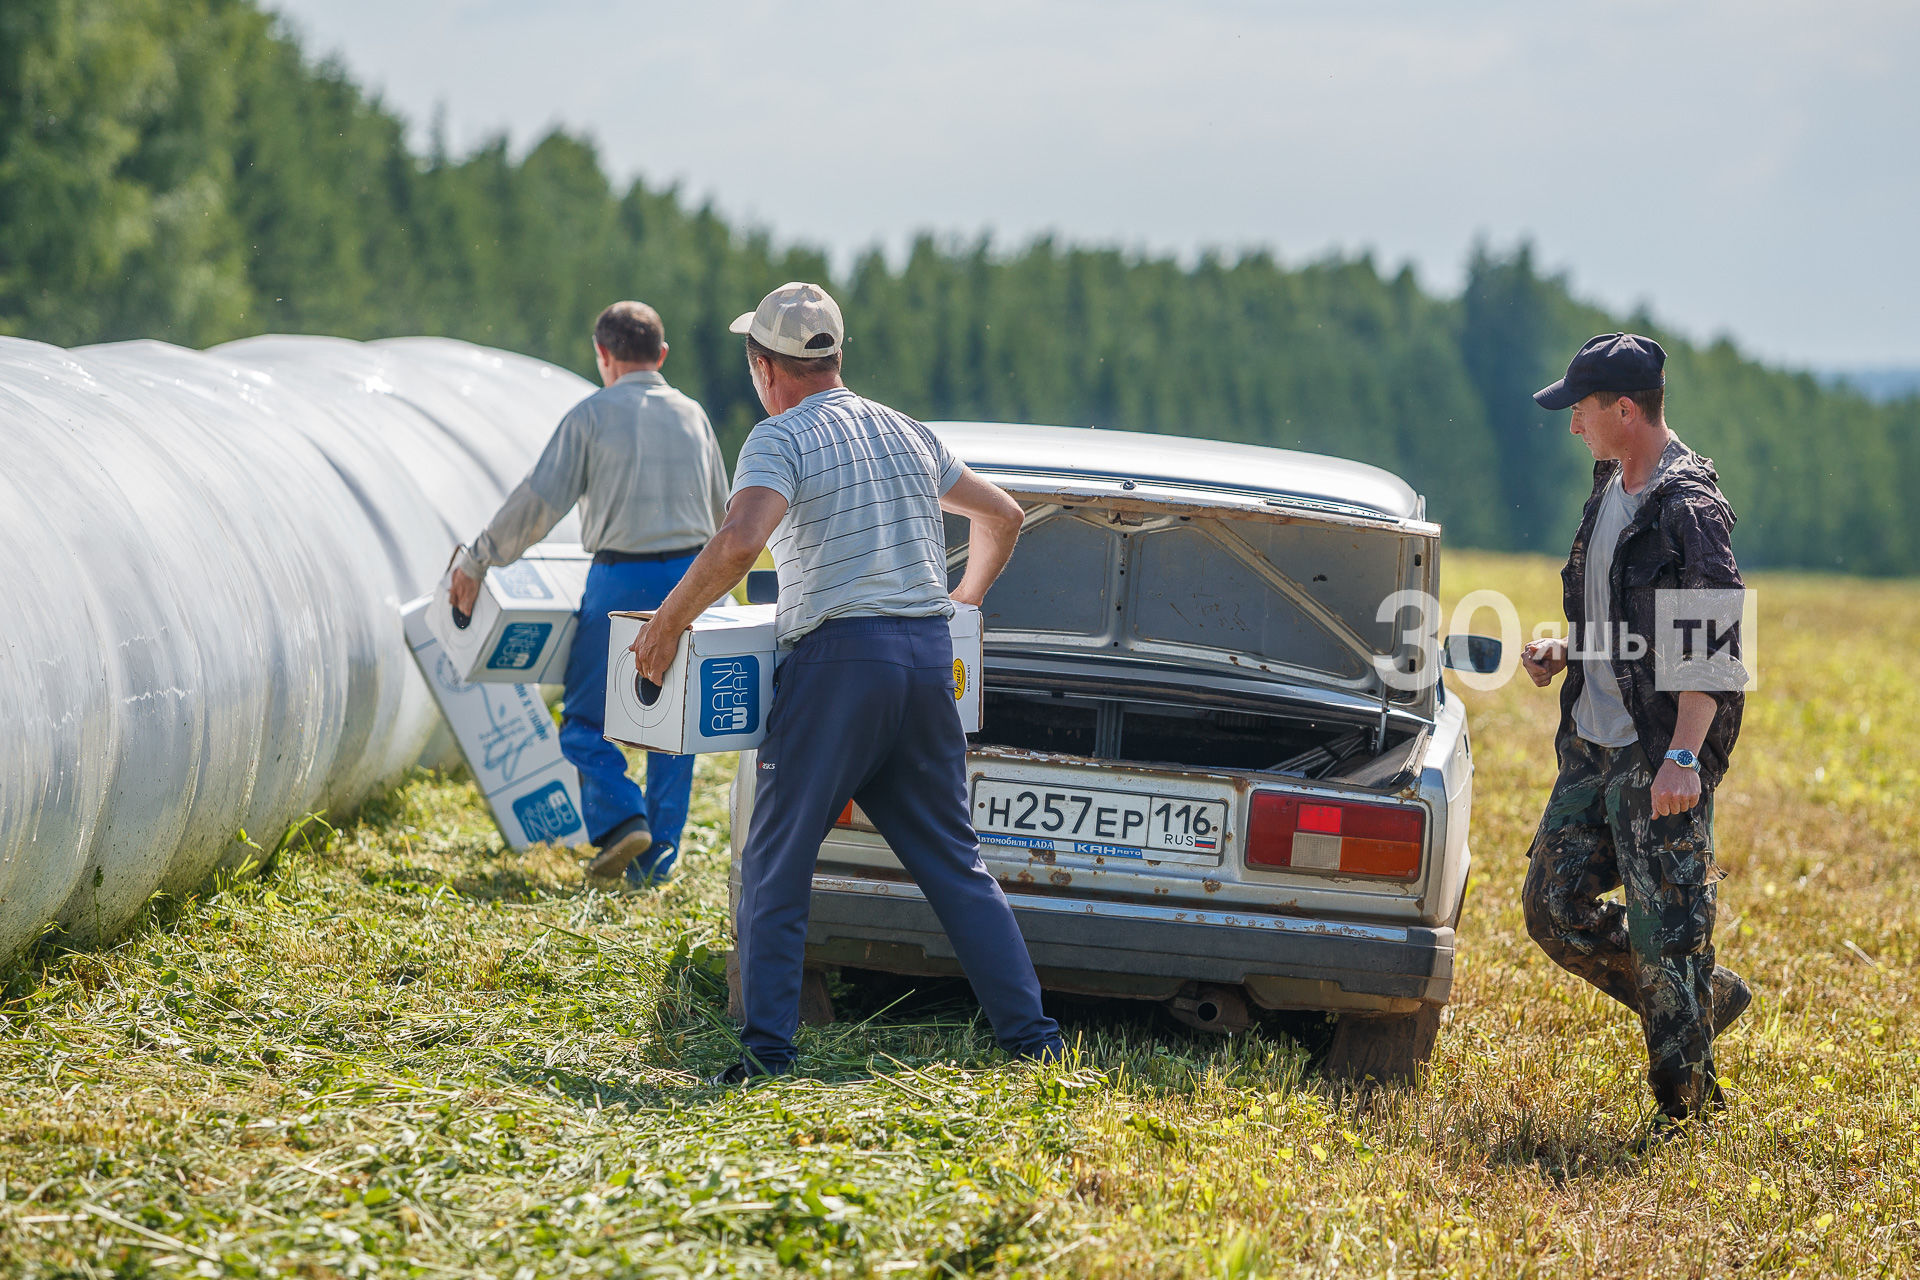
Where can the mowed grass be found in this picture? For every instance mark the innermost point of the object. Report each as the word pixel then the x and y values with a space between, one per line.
pixel 407 1052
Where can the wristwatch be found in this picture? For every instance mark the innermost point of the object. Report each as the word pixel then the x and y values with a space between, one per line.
pixel 1684 758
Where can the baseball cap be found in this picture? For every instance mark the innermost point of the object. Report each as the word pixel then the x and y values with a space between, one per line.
pixel 1620 362
pixel 797 319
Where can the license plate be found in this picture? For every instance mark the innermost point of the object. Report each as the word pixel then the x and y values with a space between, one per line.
pixel 1108 823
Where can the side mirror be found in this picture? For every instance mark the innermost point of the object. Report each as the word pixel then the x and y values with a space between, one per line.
pixel 1478 654
pixel 763 587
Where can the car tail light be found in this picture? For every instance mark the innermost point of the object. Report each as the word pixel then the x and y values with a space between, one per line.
pixel 1302 833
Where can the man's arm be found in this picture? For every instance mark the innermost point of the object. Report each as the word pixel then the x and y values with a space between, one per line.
pixel 717 487
pixel 1676 790
pixel 1544 659
pixel 993 526
pixel 1700 531
pixel 752 517
pixel 536 504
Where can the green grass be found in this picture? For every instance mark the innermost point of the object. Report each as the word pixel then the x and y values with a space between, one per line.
pixel 408 1052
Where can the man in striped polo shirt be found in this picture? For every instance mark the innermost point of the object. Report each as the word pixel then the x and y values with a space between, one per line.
pixel 850 494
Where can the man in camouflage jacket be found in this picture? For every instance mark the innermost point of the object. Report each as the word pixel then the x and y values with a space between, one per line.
pixel 1639 760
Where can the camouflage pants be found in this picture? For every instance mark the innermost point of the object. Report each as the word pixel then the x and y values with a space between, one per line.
pixel 1654 953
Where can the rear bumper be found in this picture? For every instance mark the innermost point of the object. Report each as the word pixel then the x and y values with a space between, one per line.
pixel 1149 952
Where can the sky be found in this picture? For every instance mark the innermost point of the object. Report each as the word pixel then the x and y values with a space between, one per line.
pixel 1746 169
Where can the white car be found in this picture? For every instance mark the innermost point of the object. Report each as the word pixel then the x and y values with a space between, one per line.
pixel 1210 773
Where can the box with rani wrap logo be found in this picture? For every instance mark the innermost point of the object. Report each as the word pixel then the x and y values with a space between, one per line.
pixel 716 694
pixel 521 629
pixel 508 739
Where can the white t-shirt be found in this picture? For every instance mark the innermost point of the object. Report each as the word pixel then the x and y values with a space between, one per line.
pixel 1599 714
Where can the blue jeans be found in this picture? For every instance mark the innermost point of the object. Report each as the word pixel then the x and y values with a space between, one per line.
pixel 863 710
pixel 609 797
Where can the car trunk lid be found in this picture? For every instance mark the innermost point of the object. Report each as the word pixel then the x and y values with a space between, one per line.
pixel 1303 592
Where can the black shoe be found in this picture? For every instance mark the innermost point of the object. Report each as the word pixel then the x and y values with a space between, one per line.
pixel 1682 1099
pixel 653 869
pixel 1731 996
pixel 1660 1131
pixel 1051 1051
pixel 741 1074
pixel 624 843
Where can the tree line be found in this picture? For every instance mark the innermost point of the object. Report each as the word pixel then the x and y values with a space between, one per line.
pixel 181 169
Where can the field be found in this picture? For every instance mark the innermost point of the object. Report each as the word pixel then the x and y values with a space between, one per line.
pixel 406 1052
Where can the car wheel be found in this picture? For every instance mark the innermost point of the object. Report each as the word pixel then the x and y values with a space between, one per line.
pixel 816 1001
pixel 1389 1049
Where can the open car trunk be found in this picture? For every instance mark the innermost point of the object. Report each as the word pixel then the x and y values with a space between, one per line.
pixel 1088 709
pixel 1208 630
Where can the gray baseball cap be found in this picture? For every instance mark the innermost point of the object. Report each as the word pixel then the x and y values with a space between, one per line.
pixel 797 319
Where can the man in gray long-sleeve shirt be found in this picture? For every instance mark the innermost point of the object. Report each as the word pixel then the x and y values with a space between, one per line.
pixel 641 461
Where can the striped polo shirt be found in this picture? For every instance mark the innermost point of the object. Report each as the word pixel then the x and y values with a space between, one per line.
pixel 862 536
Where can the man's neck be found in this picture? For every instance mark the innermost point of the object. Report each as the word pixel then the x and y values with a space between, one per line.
pixel 618 370
pixel 1643 459
pixel 791 392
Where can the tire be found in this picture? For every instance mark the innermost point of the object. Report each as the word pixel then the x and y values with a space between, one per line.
pixel 1388 1050
pixel 736 1007
pixel 816 1002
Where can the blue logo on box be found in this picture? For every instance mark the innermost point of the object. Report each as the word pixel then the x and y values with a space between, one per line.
pixel 520 646
pixel 546 814
pixel 729 695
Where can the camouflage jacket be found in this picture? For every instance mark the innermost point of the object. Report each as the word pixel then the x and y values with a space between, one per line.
pixel 1681 536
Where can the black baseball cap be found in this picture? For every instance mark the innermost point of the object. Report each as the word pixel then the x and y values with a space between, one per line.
pixel 1620 362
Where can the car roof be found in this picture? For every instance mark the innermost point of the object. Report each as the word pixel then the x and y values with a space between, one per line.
pixel 1183 460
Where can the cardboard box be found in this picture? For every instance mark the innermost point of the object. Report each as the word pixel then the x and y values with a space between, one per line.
pixel 508 739
pixel 965 628
pixel 542 808
pixel 717 693
pixel 714 697
pixel 522 626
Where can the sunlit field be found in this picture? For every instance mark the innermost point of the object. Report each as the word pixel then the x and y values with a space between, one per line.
pixel 405 1051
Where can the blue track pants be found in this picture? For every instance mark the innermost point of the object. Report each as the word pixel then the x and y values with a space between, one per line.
pixel 863 710
pixel 607 794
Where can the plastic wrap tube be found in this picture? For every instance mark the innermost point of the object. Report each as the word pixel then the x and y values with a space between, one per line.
pixel 205 555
